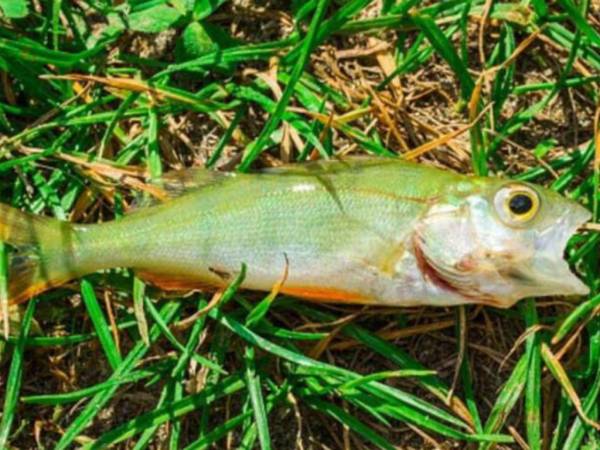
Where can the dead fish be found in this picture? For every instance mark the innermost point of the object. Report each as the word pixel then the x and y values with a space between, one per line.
pixel 367 231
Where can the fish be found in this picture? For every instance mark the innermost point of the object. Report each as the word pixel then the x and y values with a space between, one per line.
pixel 373 231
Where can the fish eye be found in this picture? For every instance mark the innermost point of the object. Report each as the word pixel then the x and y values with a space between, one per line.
pixel 520 204
pixel 517 204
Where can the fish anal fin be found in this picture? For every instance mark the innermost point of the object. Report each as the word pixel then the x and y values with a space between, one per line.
pixel 168 282
pixel 326 294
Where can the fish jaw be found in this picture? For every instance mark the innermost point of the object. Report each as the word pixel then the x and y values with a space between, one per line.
pixel 548 271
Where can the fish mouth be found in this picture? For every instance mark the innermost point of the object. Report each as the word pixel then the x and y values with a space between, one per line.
pixel 548 273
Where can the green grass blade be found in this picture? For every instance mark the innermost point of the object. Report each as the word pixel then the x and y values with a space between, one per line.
pixel 579 429
pixel 351 422
pixel 255 148
pixel 253 384
pixel 393 353
pixel 442 44
pixel 139 294
pixel 580 313
pixel 74 396
pixel 533 388
pixel 99 400
pixel 159 416
pixel 465 371
pixel 507 398
pixel 100 324
pixel 580 22
pixel 15 377
pixel 379 389
pixel 4 306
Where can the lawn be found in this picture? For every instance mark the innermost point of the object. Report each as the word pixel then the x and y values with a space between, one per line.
pixel 99 97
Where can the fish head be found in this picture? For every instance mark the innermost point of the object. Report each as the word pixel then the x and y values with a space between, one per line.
pixel 496 241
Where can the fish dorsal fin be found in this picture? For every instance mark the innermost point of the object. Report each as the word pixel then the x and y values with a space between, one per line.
pixel 326 167
pixel 176 183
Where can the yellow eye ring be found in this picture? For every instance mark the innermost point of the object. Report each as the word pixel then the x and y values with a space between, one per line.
pixel 517 204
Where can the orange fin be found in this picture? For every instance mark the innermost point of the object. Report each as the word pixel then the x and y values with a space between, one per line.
pixel 18 294
pixel 42 256
pixel 30 275
pixel 179 283
pixel 176 283
pixel 325 294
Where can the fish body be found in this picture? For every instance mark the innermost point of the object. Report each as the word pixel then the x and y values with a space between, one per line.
pixel 373 231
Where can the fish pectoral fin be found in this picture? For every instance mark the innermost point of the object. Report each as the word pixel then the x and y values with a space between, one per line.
pixel 169 282
pixel 326 294
pixel 386 262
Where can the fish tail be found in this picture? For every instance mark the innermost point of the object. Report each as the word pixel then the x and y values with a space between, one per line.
pixel 45 254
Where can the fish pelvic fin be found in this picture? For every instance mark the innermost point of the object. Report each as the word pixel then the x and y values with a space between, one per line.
pixel 44 255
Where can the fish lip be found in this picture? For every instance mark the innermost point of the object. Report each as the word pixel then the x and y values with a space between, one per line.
pixel 571 223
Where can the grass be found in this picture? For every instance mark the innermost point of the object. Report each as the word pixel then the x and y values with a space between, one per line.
pixel 97 97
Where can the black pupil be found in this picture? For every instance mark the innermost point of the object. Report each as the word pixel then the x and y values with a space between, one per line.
pixel 520 204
